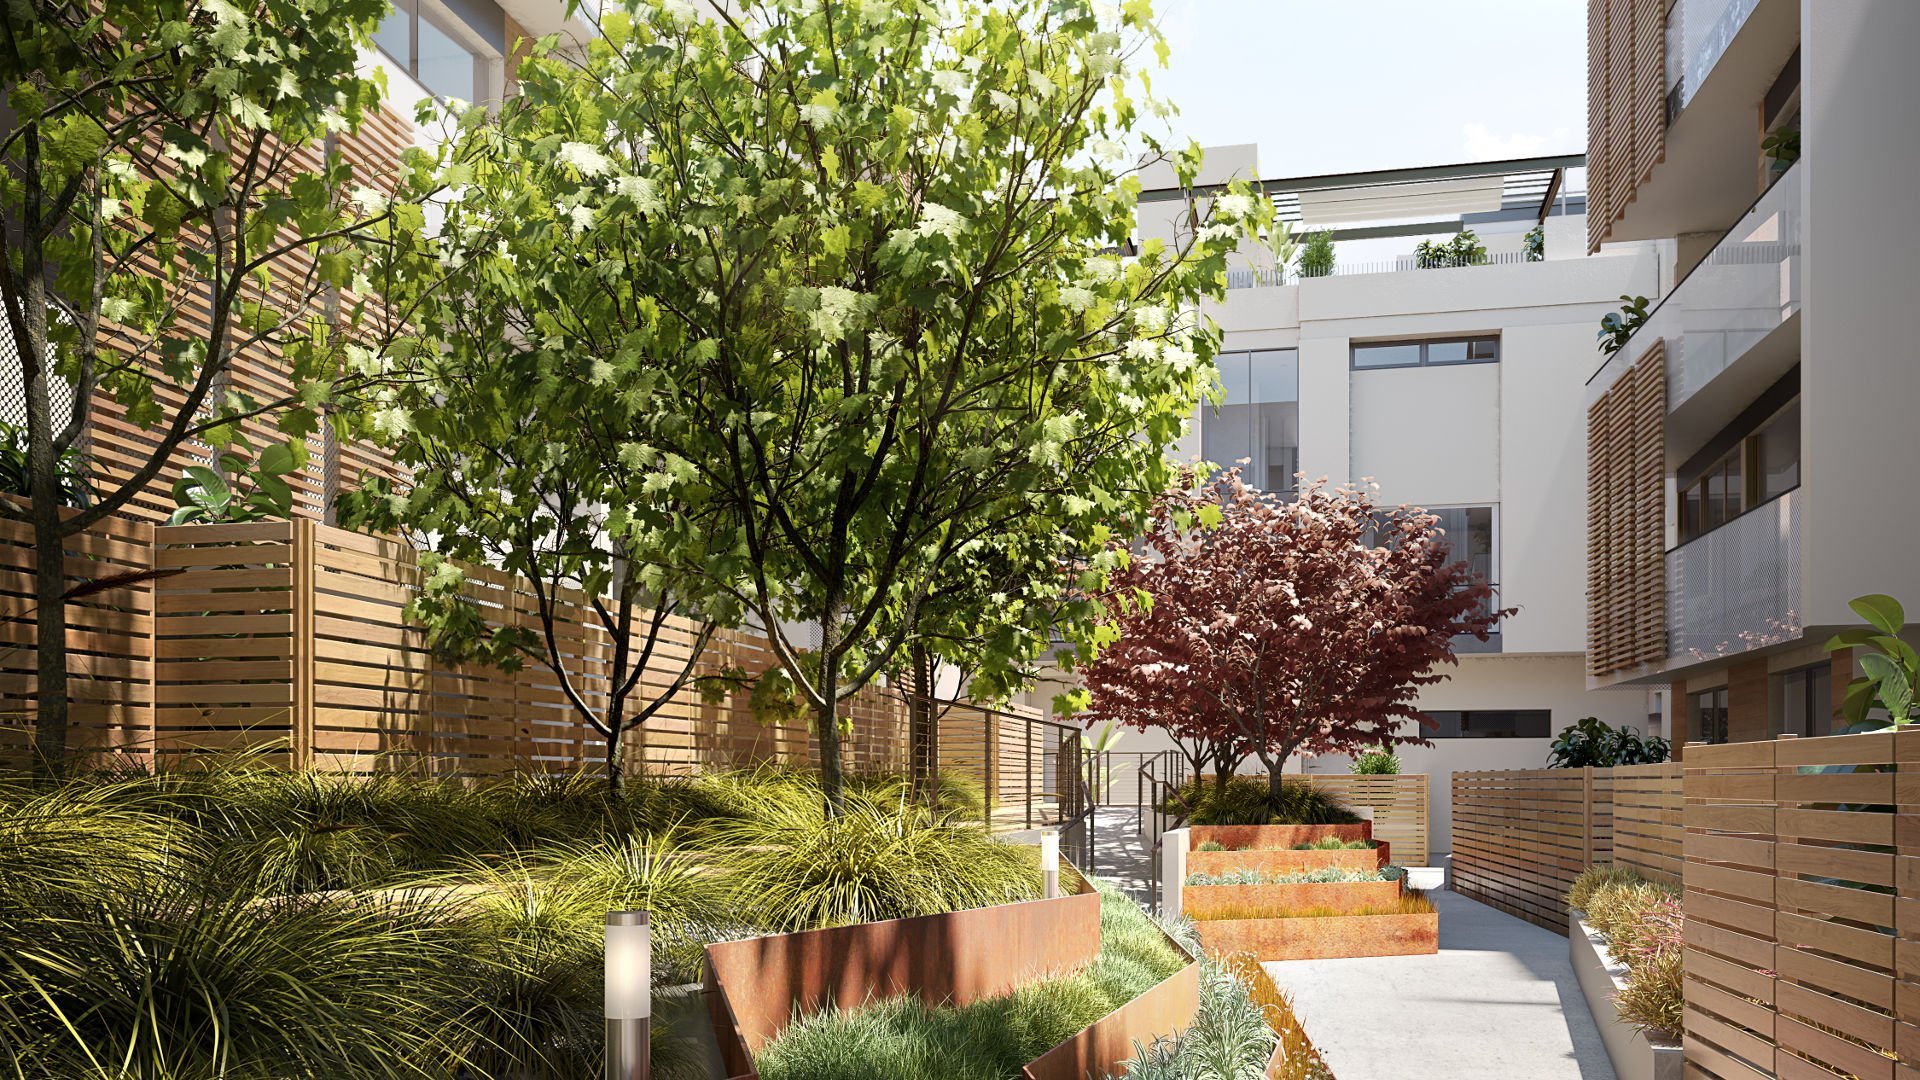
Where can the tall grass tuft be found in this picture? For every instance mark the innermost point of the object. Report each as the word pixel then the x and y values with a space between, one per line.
pixel 796 870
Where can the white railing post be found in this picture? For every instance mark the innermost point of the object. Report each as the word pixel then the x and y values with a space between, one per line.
pixel 1173 870
pixel 1050 863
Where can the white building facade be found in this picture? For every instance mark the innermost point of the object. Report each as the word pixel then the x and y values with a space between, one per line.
pixel 1456 389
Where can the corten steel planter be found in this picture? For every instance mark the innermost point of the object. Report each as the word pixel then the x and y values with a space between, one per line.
pixel 756 986
pixel 1199 901
pixel 1276 836
pixel 1287 861
pixel 1323 938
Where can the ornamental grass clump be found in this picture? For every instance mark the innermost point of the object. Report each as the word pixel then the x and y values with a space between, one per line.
pixel 1580 893
pixel 1644 924
pixel 796 869
pixel 1323 876
pixel 1334 843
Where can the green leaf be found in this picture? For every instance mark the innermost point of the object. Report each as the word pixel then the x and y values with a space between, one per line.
pixel 1883 612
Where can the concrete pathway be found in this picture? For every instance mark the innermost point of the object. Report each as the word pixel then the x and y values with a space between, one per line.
pixel 1499 1001
pixel 1121 853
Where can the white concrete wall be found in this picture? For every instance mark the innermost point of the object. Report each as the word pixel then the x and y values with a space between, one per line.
pixel 1860 389
pixel 1556 683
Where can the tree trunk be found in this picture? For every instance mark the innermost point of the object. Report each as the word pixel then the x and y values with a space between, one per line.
pixel 923 734
pixel 50 638
pixel 832 784
pixel 1276 771
pixel 614 765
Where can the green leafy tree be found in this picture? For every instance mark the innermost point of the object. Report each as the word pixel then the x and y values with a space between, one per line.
pixel 1316 257
pixel 165 212
pixel 884 244
pixel 531 394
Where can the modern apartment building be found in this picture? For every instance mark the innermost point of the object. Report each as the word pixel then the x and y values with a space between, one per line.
pixel 1751 446
pixel 447 49
pixel 1458 389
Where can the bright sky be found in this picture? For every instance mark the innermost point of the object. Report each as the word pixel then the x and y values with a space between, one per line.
pixel 1347 85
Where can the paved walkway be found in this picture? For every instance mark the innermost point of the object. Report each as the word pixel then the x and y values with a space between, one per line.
pixel 1499 1001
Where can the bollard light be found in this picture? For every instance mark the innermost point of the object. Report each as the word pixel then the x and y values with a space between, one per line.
pixel 629 995
pixel 1050 862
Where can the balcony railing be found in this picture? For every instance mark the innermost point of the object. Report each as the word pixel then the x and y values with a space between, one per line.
pixel 1269 277
pixel 1742 291
pixel 1736 588
pixel 1706 28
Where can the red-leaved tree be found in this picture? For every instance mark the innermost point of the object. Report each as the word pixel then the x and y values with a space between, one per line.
pixel 1284 626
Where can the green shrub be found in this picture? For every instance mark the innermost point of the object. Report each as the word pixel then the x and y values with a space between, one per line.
pixel 1375 761
pixel 1246 800
pixel 1211 845
pixel 1322 876
pixel 1594 743
pixel 1316 255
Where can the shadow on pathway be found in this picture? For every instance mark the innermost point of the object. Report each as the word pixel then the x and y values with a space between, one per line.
pixel 1499 1001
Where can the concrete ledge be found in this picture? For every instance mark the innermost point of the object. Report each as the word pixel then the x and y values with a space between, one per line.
pixel 1426 878
pixel 1634 1055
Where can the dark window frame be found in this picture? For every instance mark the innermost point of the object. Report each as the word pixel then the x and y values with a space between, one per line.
pixel 1698 728
pixel 419 11
pixel 1425 346
pixel 1745 455
pixel 1536 719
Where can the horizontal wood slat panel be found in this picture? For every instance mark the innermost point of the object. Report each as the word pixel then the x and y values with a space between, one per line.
pixel 289 640
pixel 1797 954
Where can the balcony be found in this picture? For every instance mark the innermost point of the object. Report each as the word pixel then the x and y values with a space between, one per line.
pixel 1736 588
pixel 1270 277
pixel 1700 31
pixel 1733 304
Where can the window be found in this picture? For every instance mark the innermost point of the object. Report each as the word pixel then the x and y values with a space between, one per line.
pixel 1803 701
pixel 1761 464
pixel 1492 724
pixel 1709 723
pixel 1257 424
pixel 432 46
pixel 1436 353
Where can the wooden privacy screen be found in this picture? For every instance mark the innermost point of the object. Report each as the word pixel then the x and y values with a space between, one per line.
pixel 1803 908
pixel 1521 836
pixel 1626 106
pixel 1399 804
pixel 289 638
pixel 1626 511
pixel 109 639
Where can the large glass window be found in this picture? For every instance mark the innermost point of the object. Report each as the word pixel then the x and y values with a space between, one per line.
pixel 1491 724
pixel 432 48
pixel 1762 464
pixel 1803 701
pixel 1709 721
pixel 1437 352
pixel 1257 424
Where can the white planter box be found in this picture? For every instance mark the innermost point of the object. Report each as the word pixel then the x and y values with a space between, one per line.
pixel 1634 1056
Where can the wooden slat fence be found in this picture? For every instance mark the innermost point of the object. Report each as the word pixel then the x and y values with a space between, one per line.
pixel 288 639
pixel 1399 805
pixel 1803 908
pixel 109 639
pixel 1521 836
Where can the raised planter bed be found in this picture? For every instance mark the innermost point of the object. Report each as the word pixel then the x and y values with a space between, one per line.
pixel 1323 938
pixel 1287 861
pixel 1200 901
pixel 755 987
pixel 1276 836
pixel 1635 1056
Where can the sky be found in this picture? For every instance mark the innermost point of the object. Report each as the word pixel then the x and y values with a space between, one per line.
pixel 1329 86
